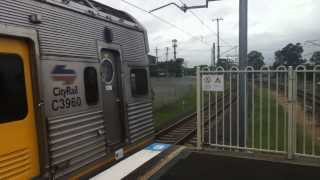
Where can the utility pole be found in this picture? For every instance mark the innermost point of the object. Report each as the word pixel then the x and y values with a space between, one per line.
pixel 236 56
pixel 167 60
pixel 167 53
pixel 157 57
pixel 243 52
pixel 218 36
pixel 213 58
pixel 174 45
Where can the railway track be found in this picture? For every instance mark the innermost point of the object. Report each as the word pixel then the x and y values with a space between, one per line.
pixel 309 97
pixel 300 95
pixel 178 132
pixel 184 130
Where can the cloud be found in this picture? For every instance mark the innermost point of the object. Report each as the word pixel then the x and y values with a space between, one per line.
pixel 272 25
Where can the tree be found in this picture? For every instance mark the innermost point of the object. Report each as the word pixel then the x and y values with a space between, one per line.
pixel 255 59
pixel 170 68
pixel 203 66
pixel 315 57
pixel 290 55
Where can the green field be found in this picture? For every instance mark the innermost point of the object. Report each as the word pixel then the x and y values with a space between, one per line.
pixel 175 110
pixel 273 127
pixel 270 129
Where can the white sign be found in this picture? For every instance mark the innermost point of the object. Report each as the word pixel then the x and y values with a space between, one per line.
pixel 213 83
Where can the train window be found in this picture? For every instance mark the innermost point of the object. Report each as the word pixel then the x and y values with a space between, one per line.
pixel 13 98
pixel 107 71
pixel 91 85
pixel 139 82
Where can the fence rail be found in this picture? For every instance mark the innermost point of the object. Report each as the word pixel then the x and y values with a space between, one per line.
pixel 280 110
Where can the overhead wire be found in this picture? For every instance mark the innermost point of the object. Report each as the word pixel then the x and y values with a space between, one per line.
pixel 229 50
pixel 162 20
pixel 203 23
pixel 197 17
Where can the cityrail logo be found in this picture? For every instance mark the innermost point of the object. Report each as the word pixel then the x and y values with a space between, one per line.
pixel 61 73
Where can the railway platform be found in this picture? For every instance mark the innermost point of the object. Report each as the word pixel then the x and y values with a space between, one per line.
pixel 209 165
pixel 169 162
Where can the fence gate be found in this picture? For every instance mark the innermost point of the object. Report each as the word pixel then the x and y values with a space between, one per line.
pixel 260 110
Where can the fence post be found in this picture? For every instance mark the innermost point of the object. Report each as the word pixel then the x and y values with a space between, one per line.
pixel 199 133
pixel 291 101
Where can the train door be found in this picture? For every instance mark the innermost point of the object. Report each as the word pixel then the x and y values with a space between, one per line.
pixel 19 158
pixel 111 83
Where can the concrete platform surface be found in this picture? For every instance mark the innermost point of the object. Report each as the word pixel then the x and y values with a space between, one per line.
pixel 126 166
pixel 206 166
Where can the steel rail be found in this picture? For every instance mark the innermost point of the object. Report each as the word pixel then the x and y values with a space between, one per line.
pixel 182 125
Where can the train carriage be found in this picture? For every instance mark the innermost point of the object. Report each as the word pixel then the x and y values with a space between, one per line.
pixel 75 92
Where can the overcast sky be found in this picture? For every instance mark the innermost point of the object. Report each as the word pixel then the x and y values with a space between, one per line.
pixel 272 25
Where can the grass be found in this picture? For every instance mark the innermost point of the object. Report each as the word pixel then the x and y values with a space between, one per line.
pixel 175 110
pixel 272 126
pixel 307 148
pixel 277 126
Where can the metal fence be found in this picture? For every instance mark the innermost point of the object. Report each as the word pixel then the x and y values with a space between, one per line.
pixel 280 108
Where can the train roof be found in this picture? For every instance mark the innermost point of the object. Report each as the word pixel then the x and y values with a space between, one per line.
pixel 104 8
pixel 98 10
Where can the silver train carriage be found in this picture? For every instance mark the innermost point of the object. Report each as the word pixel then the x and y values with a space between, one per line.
pixel 75 92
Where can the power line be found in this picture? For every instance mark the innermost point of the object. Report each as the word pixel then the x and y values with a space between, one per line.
pixel 157 17
pixel 208 27
pixel 200 50
pixel 164 49
pixel 161 19
pixel 197 17
pixel 203 23
pixel 175 26
pixel 308 54
pixel 313 42
pixel 229 50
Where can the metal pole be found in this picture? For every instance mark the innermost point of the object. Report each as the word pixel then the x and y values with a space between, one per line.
pixel 243 48
pixel 243 33
pixel 157 57
pixel 213 63
pixel 167 53
pixel 291 100
pixel 218 37
pixel 167 60
pixel 174 44
pixel 199 143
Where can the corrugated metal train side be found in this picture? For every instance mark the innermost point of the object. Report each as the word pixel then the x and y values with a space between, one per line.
pixel 76 136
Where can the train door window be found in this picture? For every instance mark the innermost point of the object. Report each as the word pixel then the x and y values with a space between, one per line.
pixel 139 82
pixel 107 71
pixel 91 85
pixel 13 98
